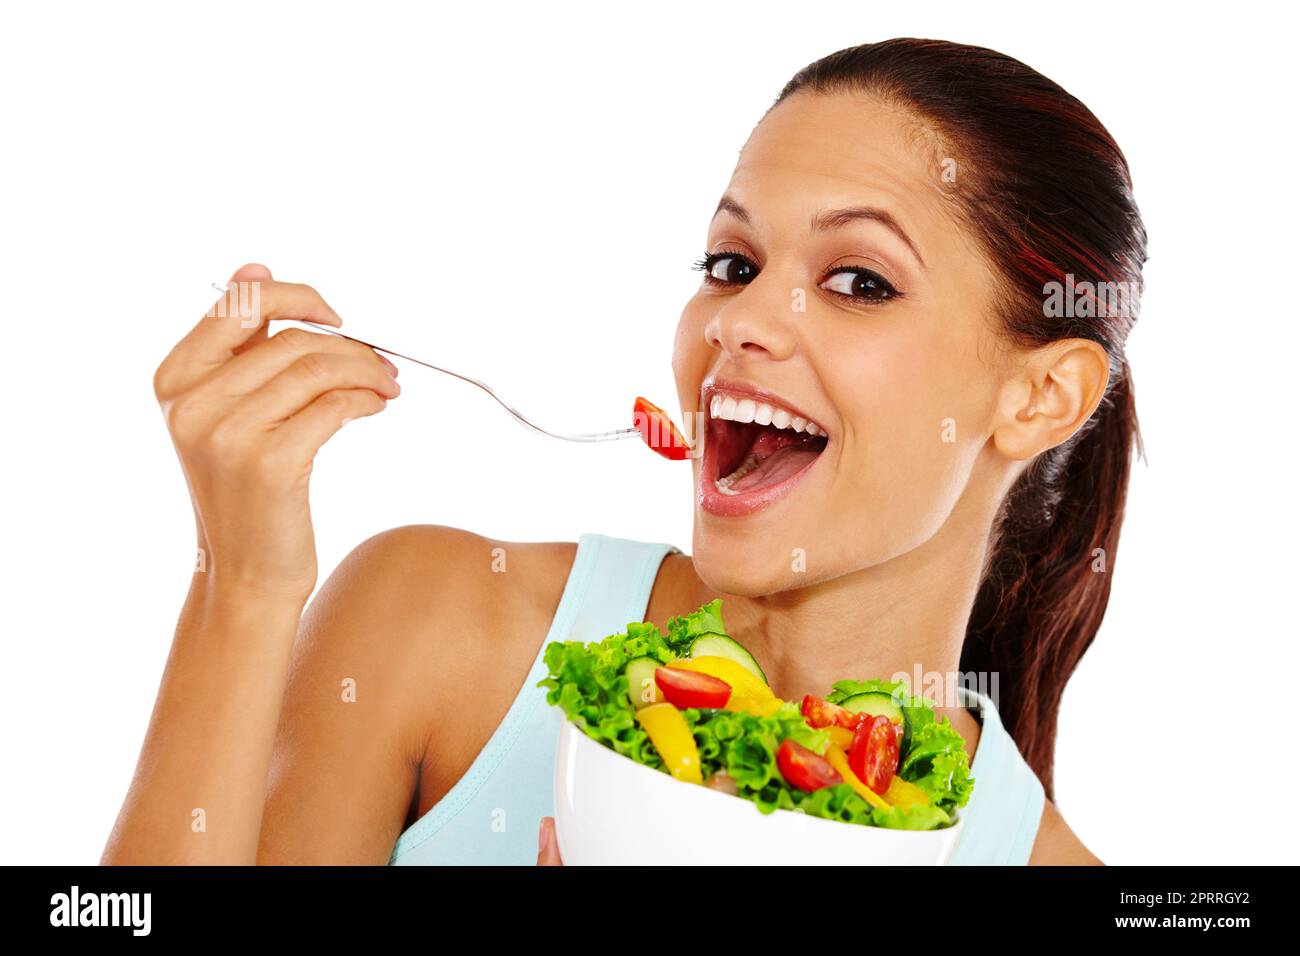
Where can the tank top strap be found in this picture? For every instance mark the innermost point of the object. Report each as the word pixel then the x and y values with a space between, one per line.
pixel 1006 806
pixel 609 587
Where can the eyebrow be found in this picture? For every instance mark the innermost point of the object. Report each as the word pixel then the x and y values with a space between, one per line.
pixel 834 219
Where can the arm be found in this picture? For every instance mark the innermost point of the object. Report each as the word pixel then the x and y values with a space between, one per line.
pixel 361 699
pixel 247 414
pixel 434 645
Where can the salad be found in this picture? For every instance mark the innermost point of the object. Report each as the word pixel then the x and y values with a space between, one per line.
pixel 695 704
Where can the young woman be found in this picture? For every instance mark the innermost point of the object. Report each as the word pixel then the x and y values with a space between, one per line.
pixel 920 422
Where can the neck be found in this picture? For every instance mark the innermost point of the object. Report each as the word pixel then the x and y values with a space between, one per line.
pixel 896 617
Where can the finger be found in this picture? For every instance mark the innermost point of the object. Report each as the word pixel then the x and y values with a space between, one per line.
pixel 310 376
pixel 548 847
pixel 234 321
pixel 256 367
pixel 304 433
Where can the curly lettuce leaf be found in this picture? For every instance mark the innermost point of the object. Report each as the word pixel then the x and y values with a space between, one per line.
pixel 589 683
pixel 744 746
pixel 937 763
pixel 682 631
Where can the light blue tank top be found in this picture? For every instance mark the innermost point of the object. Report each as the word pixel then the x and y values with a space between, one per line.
pixel 490 816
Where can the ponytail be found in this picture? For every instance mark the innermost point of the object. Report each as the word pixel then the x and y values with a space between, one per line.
pixel 1048 579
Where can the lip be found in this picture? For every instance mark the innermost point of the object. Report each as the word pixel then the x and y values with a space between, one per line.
pixel 747 502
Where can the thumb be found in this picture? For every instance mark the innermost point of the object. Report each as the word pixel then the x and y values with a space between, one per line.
pixel 548 847
pixel 250 273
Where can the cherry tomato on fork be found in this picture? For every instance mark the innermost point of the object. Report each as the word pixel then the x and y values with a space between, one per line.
pixel 685 689
pixel 805 769
pixel 658 431
pixel 874 755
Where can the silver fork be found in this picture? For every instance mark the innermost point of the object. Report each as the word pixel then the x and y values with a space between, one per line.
pixel 615 435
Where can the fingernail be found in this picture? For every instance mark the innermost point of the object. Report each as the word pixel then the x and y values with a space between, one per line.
pixel 392 369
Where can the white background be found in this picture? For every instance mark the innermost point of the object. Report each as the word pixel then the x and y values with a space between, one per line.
pixel 519 193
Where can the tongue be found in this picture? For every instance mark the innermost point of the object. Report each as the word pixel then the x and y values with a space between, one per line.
pixel 777 467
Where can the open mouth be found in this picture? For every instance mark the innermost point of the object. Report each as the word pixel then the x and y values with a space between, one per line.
pixel 755 451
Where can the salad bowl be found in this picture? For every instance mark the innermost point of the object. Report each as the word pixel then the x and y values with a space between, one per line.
pixel 674 749
pixel 610 810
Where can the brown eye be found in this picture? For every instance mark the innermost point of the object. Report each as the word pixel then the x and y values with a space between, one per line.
pixel 727 268
pixel 855 282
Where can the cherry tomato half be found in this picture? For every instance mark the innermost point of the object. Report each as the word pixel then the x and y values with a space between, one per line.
pixel 804 769
pixel 685 689
pixel 658 431
pixel 874 755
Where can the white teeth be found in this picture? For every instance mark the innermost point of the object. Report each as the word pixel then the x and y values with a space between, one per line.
pixel 745 410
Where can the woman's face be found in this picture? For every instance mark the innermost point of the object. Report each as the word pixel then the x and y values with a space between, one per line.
pixel 839 289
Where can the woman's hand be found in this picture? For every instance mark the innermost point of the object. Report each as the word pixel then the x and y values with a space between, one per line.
pixel 247 414
pixel 548 847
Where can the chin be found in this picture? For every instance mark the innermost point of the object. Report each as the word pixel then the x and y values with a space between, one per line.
pixel 741 560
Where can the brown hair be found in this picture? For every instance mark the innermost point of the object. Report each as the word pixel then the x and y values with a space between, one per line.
pixel 1048 193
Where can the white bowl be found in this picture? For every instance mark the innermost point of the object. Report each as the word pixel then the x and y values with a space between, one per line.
pixel 611 810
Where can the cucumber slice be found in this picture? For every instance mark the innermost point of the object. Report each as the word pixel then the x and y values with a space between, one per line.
pixel 878 703
pixel 719 645
pixel 641 681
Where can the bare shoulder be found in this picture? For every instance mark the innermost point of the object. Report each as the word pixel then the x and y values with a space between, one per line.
pixel 1057 845
pixel 446 609
pixel 421 567
pixel 405 662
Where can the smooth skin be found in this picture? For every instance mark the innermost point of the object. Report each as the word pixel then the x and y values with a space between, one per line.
pixel 248 725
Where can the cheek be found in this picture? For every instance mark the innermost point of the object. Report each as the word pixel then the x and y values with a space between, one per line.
pixel 913 428
pixel 691 354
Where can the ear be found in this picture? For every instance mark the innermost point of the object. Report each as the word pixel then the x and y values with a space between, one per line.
pixel 1050 397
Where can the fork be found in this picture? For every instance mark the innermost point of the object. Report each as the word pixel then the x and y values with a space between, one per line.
pixel 616 435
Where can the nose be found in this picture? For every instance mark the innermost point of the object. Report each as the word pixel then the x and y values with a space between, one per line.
pixel 755 321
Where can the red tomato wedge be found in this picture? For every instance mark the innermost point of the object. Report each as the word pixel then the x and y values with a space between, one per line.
pixel 685 689
pixel 874 755
pixel 821 713
pixel 658 431
pixel 804 769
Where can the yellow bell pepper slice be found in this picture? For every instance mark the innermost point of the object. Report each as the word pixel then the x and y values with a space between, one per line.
pixel 672 737
pixel 749 695
pixel 840 762
pixel 841 737
pixel 903 794
pixel 725 669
